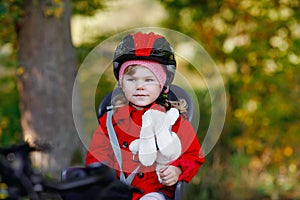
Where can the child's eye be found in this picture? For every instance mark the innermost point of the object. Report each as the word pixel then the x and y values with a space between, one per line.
pixel 130 79
pixel 149 80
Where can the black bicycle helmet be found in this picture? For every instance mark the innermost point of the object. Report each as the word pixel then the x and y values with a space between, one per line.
pixel 145 46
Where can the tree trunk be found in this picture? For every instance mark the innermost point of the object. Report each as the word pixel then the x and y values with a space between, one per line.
pixel 47 69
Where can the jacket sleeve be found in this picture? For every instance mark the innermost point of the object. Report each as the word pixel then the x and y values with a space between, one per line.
pixel 100 149
pixel 191 158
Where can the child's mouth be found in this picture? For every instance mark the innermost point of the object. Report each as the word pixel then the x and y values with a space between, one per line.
pixel 139 95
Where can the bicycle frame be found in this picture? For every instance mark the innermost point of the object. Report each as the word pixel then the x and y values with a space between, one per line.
pixel 20 180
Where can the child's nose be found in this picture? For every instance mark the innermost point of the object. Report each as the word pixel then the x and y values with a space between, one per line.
pixel 140 85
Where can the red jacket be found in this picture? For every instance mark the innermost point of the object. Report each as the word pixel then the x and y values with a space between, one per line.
pixel 127 124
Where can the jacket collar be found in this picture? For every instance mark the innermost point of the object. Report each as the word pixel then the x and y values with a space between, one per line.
pixel 125 111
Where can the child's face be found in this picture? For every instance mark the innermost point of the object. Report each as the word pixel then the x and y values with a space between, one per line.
pixel 140 86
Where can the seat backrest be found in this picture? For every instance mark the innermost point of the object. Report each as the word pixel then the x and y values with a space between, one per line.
pixel 175 93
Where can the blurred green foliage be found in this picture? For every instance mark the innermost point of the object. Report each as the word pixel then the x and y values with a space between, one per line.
pixel 256 45
pixel 10 129
pixel 89 8
pixel 10 12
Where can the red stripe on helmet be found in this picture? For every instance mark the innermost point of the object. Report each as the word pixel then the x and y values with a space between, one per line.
pixel 143 43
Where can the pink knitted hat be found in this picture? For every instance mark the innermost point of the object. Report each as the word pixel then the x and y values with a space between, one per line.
pixel 156 68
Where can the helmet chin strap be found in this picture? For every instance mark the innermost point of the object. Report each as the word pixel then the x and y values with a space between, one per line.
pixel 165 89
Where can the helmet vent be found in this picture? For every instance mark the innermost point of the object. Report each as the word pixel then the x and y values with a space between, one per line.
pixel 143 43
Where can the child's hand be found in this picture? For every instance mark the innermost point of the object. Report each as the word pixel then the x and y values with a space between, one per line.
pixel 169 175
